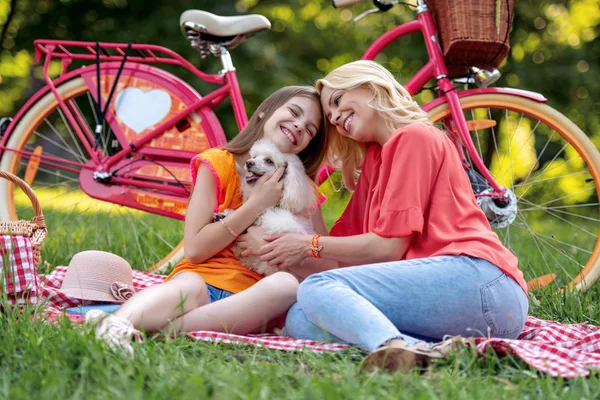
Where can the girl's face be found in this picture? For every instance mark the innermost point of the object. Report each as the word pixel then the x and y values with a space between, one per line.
pixel 349 111
pixel 293 125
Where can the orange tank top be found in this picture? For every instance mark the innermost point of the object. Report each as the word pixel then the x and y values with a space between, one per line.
pixel 223 270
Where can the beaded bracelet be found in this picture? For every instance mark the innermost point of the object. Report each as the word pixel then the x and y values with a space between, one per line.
pixel 229 229
pixel 314 246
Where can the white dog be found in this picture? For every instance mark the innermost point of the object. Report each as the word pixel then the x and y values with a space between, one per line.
pixel 292 215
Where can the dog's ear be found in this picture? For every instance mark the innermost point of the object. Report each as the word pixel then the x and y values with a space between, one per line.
pixel 298 192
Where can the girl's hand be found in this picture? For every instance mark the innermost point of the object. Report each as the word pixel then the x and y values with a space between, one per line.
pixel 268 189
pixel 286 251
pixel 251 241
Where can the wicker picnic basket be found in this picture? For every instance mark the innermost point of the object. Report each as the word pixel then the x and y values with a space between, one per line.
pixel 472 32
pixel 20 233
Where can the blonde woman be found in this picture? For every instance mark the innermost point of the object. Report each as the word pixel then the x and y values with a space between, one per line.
pixel 422 261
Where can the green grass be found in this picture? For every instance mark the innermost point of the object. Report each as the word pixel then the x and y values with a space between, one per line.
pixel 62 361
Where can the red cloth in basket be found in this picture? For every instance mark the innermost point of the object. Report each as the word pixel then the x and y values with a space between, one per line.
pixel 18 278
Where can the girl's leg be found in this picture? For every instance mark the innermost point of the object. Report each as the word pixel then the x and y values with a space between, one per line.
pixel 153 308
pixel 371 305
pixel 244 312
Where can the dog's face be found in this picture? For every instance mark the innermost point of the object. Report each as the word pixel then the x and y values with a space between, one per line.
pixel 264 158
pixel 298 192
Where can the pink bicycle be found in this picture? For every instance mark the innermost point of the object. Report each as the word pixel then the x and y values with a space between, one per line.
pixel 115 137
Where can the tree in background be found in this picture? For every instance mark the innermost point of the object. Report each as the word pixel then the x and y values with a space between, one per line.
pixel 555 46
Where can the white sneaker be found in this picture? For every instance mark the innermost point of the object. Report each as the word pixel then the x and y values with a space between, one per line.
pixel 118 332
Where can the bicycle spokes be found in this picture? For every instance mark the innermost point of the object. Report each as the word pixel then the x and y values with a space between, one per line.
pixel 550 219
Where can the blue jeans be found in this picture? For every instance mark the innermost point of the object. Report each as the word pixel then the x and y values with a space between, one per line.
pixel 423 299
pixel 215 294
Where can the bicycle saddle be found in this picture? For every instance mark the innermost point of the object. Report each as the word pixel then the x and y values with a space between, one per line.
pixel 224 27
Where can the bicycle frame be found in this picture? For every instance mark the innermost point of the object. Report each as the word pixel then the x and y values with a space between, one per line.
pixel 68 51
pixel 436 69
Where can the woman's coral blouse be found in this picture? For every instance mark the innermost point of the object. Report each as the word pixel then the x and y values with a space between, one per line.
pixel 223 270
pixel 415 185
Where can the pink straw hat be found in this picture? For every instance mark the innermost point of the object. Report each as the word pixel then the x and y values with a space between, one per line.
pixel 100 276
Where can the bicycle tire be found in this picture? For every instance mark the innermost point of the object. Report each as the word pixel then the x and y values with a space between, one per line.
pixel 152 253
pixel 563 230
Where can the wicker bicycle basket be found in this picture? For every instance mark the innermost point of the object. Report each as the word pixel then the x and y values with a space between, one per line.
pixel 35 229
pixel 472 32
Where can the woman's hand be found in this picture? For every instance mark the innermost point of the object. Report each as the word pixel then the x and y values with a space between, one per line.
pixel 251 241
pixel 268 189
pixel 285 251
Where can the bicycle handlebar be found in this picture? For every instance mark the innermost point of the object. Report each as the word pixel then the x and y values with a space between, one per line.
pixel 344 3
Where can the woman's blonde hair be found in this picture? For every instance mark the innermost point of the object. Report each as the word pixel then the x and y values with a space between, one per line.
pixel 390 99
pixel 312 156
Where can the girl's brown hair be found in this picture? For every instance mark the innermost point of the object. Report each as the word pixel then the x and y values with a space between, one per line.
pixel 312 156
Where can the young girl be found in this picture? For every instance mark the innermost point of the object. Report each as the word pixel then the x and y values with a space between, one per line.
pixel 427 263
pixel 210 289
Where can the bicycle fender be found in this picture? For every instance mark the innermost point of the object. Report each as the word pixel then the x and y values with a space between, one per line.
pixel 537 97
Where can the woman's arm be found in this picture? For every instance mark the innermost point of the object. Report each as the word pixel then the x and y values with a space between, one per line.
pixel 310 266
pixel 288 250
pixel 251 241
pixel 204 238
pixel 318 222
pixel 367 248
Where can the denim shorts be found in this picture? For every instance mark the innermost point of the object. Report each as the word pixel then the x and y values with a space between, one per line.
pixel 215 294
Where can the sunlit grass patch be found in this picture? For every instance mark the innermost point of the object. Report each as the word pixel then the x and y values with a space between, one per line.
pixel 61 198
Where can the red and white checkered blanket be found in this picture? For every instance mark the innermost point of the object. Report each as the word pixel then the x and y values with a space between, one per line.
pixel 557 349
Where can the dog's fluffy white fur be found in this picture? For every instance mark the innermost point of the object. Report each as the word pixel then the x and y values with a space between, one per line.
pixel 292 215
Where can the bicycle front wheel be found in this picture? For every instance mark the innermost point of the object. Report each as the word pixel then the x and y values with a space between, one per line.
pixel 76 221
pixel 553 168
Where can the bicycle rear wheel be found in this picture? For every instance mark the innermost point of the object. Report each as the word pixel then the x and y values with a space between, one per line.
pixel 554 170
pixel 76 221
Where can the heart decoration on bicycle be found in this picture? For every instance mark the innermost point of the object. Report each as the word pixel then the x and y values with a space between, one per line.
pixel 20 243
pixel 140 110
